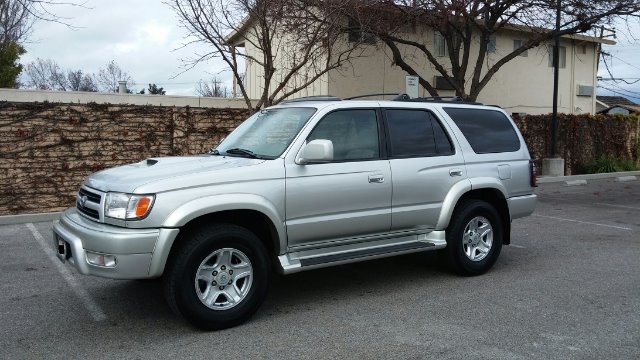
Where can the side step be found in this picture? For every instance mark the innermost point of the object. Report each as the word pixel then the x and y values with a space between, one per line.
pixel 336 255
pixel 353 255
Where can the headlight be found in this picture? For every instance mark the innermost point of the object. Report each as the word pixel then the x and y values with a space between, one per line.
pixel 127 206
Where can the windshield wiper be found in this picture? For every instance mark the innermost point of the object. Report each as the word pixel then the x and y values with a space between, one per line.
pixel 213 151
pixel 243 152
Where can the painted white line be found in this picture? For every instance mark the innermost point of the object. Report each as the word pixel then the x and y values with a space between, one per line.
pixel 583 222
pixel 91 306
pixel 626 178
pixel 517 246
pixel 620 206
pixel 575 182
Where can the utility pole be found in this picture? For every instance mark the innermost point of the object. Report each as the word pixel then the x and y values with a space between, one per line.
pixel 554 164
pixel 556 75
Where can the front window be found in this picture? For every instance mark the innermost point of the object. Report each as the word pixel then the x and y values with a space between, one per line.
pixel 266 134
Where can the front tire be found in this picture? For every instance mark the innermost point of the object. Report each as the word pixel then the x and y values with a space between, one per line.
pixel 474 238
pixel 218 278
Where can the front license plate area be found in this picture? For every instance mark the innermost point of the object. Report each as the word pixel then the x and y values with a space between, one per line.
pixel 62 248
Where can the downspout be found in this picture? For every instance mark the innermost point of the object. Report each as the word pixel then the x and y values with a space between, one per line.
pixel 572 85
pixel 596 62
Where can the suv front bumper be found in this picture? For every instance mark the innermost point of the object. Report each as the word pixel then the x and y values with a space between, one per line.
pixel 132 249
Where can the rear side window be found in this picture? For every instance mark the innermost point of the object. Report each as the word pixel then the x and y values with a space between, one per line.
pixel 415 133
pixel 487 131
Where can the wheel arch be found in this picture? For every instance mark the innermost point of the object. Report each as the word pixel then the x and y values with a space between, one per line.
pixel 490 191
pixel 253 212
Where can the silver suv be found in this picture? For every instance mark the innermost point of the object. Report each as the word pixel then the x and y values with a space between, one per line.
pixel 305 184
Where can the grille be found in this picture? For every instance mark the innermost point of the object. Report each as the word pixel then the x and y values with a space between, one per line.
pixel 92 203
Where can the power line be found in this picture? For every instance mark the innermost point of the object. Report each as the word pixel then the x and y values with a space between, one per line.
pixel 623 89
pixel 619 93
pixel 624 62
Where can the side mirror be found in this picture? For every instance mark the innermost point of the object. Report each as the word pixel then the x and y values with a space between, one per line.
pixel 316 151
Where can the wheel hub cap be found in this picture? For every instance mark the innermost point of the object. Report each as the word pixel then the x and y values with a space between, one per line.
pixel 477 238
pixel 223 279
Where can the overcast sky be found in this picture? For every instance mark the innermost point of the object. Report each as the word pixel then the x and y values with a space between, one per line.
pixel 142 37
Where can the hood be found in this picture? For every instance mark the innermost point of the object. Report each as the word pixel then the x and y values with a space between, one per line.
pixel 129 177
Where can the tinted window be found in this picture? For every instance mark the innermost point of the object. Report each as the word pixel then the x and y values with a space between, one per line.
pixel 487 131
pixel 416 133
pixel 443 144
pixel 354 134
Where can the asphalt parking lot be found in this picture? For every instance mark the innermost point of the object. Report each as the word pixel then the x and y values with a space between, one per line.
pixel 568 287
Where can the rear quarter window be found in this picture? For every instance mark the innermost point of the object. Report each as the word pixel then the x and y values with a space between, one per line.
pixel 488 131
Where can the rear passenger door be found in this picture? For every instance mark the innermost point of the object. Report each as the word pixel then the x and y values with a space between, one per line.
pixel 424 164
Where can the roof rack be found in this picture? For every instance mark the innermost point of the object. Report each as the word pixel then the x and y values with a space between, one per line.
pixel 312 98
pixel 442 99
pixel 396 98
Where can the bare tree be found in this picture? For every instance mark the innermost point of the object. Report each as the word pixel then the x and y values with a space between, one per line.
pixel 467 28
pixel 46 74
pixel 17 17
pixel 15 21
pixel 212 88
pixel 109 76
pixel 295 44
pixel 79 81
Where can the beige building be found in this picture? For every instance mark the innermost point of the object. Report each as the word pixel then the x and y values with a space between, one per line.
pixel 523 85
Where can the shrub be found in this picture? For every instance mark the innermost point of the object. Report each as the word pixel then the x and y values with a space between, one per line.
pixel 607 164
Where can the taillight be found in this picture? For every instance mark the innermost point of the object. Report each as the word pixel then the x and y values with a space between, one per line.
pixel 533 174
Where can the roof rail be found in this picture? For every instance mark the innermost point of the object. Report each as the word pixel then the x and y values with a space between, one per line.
pixel 312 98
pixel 398 96
pixel 442 99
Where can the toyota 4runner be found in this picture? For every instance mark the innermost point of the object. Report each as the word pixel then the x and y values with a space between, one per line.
pixel 309 183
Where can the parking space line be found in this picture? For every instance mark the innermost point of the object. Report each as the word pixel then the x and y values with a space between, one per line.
pixel 620 206
pixel 583 222
pixel 517 246
pixel 96 312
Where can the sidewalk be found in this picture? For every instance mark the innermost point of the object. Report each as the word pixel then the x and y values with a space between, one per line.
pixel 573 180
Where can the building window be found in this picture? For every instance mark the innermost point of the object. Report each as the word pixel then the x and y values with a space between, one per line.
pixel 439 44
pixel 563 57
pixel 491 45
pixel 581 49
pixel 517 44
pixel 357 35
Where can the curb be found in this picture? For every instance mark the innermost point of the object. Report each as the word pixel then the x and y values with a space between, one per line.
pixel 29 218
pixel 574 180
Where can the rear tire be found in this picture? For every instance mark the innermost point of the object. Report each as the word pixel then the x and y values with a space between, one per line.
pixel 218 278
pixel 474 238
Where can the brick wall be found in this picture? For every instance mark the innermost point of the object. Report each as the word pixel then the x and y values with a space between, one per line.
pixel 46 149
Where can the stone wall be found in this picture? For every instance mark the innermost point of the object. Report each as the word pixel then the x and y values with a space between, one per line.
pixel 583 138
pixel 46 149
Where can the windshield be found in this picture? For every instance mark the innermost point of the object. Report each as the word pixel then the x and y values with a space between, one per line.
pixel 266 134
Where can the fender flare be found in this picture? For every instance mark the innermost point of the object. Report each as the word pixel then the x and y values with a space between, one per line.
pixel 193 209
pixel 458 190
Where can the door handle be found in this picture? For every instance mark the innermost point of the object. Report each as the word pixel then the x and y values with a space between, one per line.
pixel 378 179
pixel 455 172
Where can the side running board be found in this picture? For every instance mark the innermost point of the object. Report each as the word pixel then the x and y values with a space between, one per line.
pixel 353 255
pixel 306 260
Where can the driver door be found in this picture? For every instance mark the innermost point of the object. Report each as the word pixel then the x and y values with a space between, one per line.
pixel 347 197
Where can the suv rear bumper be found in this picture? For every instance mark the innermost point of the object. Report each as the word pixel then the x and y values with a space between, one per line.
pixel 521 206
pixel 132 249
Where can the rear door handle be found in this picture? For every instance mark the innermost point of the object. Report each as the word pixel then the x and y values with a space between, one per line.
pixel 379 179
pixel 455 172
